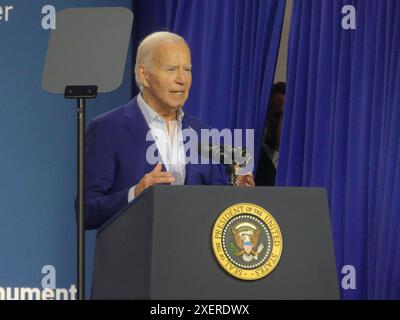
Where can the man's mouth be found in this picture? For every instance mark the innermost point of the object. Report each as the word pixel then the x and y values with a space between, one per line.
pixel 178 92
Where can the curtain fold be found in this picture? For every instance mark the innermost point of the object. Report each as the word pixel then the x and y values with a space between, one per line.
pixel 341 131
pixel 234 46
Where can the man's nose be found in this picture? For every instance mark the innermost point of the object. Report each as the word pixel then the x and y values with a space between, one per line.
pixel 181 77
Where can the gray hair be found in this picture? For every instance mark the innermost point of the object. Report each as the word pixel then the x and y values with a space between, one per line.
pixel 145 50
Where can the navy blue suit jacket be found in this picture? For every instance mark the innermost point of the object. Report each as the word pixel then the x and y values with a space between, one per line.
pixel 116 160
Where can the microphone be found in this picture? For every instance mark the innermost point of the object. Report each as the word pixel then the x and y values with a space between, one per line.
pixel 225 153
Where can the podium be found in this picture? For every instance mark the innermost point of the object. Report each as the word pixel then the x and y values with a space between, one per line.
pixel 159 246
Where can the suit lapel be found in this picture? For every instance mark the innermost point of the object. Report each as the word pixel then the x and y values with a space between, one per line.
pixel 189 166
pixel 139 130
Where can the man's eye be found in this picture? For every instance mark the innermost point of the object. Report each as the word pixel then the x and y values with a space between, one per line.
pixel 171 69
pixel 188 69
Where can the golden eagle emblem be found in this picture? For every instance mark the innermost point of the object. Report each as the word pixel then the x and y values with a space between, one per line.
pixel 246 236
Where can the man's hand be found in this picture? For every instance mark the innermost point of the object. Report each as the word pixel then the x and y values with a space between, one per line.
pixel 157 176
pixel 245 181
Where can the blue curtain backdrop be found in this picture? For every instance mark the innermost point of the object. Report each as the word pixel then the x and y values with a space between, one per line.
pixel 234 46
pixel 341 131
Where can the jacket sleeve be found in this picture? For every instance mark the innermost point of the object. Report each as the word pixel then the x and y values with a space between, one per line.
pixel 102 201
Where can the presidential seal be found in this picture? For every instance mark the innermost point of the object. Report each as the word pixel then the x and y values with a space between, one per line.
pixel 247 241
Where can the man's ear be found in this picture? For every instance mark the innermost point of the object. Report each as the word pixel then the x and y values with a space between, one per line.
pixel 144 75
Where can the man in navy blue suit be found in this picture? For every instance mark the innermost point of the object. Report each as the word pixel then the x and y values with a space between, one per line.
pixel 117 148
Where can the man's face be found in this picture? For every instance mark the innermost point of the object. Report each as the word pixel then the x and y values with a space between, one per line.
pixel 166 82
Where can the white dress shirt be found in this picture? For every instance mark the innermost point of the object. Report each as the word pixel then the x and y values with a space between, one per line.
pixel 170 145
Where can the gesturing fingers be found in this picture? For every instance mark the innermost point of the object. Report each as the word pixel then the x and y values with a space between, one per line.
pixel 245 181
pixel 161 179
pixel 158 177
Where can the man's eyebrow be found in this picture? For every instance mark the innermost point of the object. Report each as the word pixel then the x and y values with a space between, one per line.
pixel 176 66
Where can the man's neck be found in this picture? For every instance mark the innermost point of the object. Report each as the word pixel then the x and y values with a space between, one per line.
pixel 167 115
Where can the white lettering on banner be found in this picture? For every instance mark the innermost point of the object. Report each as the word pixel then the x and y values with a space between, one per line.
pixel 48 21
pixel 23 293
pixel 5 13
pixel 48 291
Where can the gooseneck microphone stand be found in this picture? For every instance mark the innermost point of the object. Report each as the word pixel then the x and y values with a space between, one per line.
pixel 231 173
